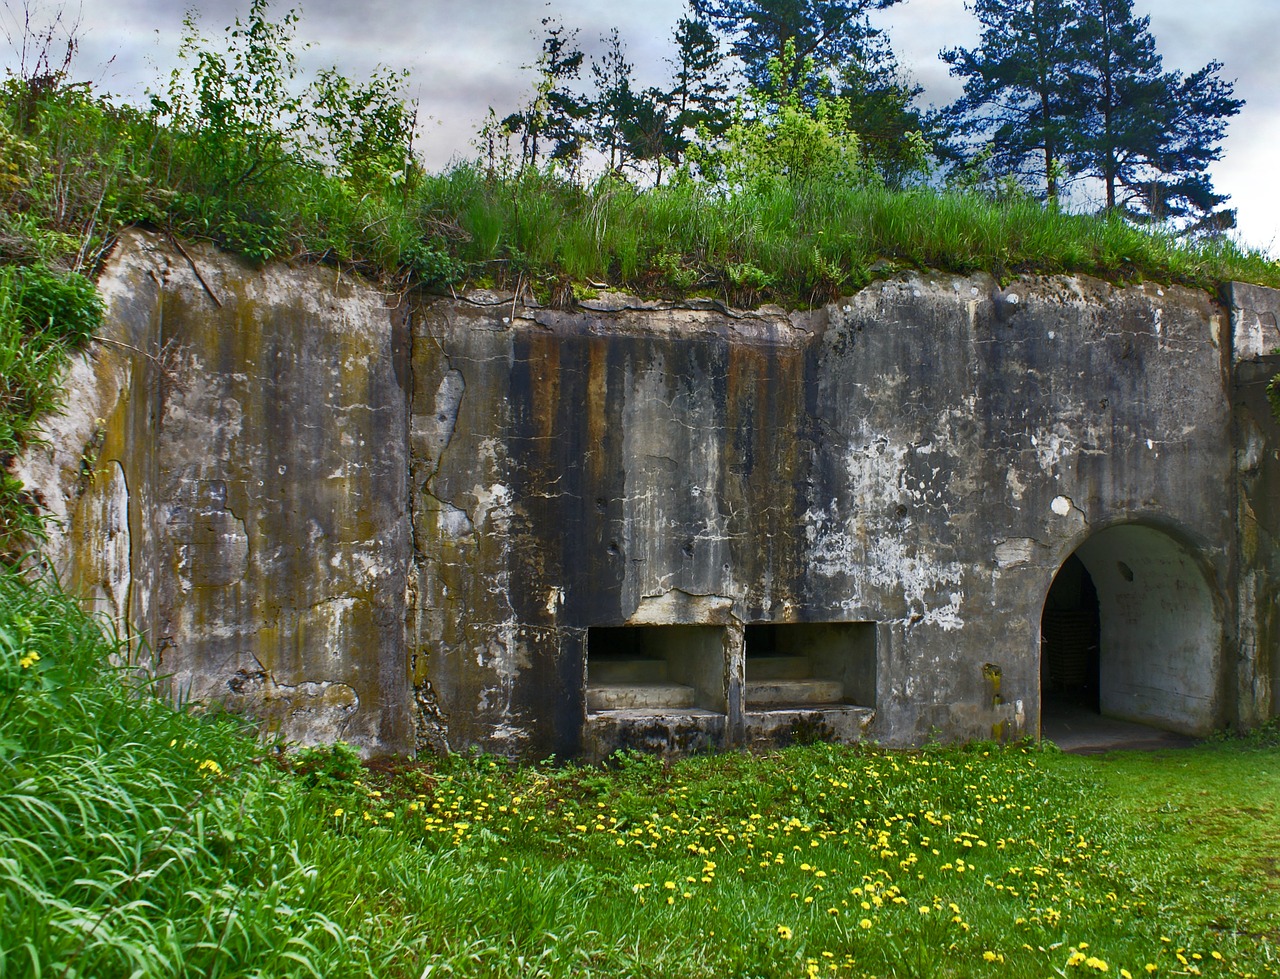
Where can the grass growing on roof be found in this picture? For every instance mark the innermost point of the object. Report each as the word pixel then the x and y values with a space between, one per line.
pixel 137 839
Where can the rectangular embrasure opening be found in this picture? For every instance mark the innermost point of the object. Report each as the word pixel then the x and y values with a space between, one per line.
pixel 656 667
pixel 811 664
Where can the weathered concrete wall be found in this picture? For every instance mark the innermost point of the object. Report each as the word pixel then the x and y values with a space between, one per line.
pixel 923 457
pixel 1255 313
pixel 247 466
pixel 399 525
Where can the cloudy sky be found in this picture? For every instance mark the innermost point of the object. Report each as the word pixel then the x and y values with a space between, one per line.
pixel 466 55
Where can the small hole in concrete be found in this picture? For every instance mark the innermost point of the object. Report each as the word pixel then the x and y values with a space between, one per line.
pixel 811 663
pixel 655 667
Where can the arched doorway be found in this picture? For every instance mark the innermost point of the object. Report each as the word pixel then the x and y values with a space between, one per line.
pixel 1130 629
pixel 1069 637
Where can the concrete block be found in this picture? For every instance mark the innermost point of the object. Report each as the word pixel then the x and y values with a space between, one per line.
pixel 611 670
pixel 623 696
pixel 782 691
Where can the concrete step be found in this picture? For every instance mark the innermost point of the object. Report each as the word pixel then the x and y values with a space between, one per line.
pixel 630 696
pixel 619 669
pixel 806 691
pixel 841 723
pixel 782 667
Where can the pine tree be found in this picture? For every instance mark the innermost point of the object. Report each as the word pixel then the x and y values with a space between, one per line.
pixel 1017 88
pixel 699 97
pixel 830 32
pixel 1147 135
pixel 651 134
pixel 881 111
pixel 555 113
pixel 614 106
pixel 1076 88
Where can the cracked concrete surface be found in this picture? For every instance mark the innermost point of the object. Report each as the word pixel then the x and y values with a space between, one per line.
pixel 429 502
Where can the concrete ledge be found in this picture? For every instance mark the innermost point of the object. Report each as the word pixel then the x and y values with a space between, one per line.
pixel 793 692
pixel 666 732
pixel 643 696
pixel 843 724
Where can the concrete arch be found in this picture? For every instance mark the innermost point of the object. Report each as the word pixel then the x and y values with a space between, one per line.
pixel 1160 628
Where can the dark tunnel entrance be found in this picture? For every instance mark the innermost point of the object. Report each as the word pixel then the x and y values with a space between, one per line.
pixel 1131 630
pixel 1069 639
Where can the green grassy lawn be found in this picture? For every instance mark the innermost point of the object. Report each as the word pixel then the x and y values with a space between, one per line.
pixel 139 840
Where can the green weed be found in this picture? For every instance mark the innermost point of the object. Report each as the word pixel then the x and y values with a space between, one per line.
pixel 139 839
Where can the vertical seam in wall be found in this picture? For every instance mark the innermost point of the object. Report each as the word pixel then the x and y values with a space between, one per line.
pixel 1229 672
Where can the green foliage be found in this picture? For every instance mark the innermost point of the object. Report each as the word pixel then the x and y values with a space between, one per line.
pixel 1075 88
pixel 246 146
pixel 778 134
pixel 551 122
pixel 697 100
pixel 42 313
pixel 240 106
pixel 52 305
pixel 139 839
pixel 827 33
pixel 1147 134
pixel 365 128
pixel 136 839
pixel 881 112
pixel 685 235
pixel 1017 87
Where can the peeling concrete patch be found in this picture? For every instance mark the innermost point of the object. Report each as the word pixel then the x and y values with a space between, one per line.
pixel 1010 553
pixel 311 712
pixel 678 606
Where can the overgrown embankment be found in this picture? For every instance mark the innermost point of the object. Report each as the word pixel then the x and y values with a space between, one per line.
pixel 75 169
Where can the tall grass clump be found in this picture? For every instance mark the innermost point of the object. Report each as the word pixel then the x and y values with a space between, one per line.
pixel 43 314
pixel 136 839
pixel 795 242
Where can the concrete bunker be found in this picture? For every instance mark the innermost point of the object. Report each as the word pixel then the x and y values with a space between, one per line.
pixel 436 500
pixel 1130 629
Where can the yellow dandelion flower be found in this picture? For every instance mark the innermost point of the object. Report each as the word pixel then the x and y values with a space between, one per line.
pixel 1093 962
pixel 338 813
pixel 784 932
pixel 864 923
